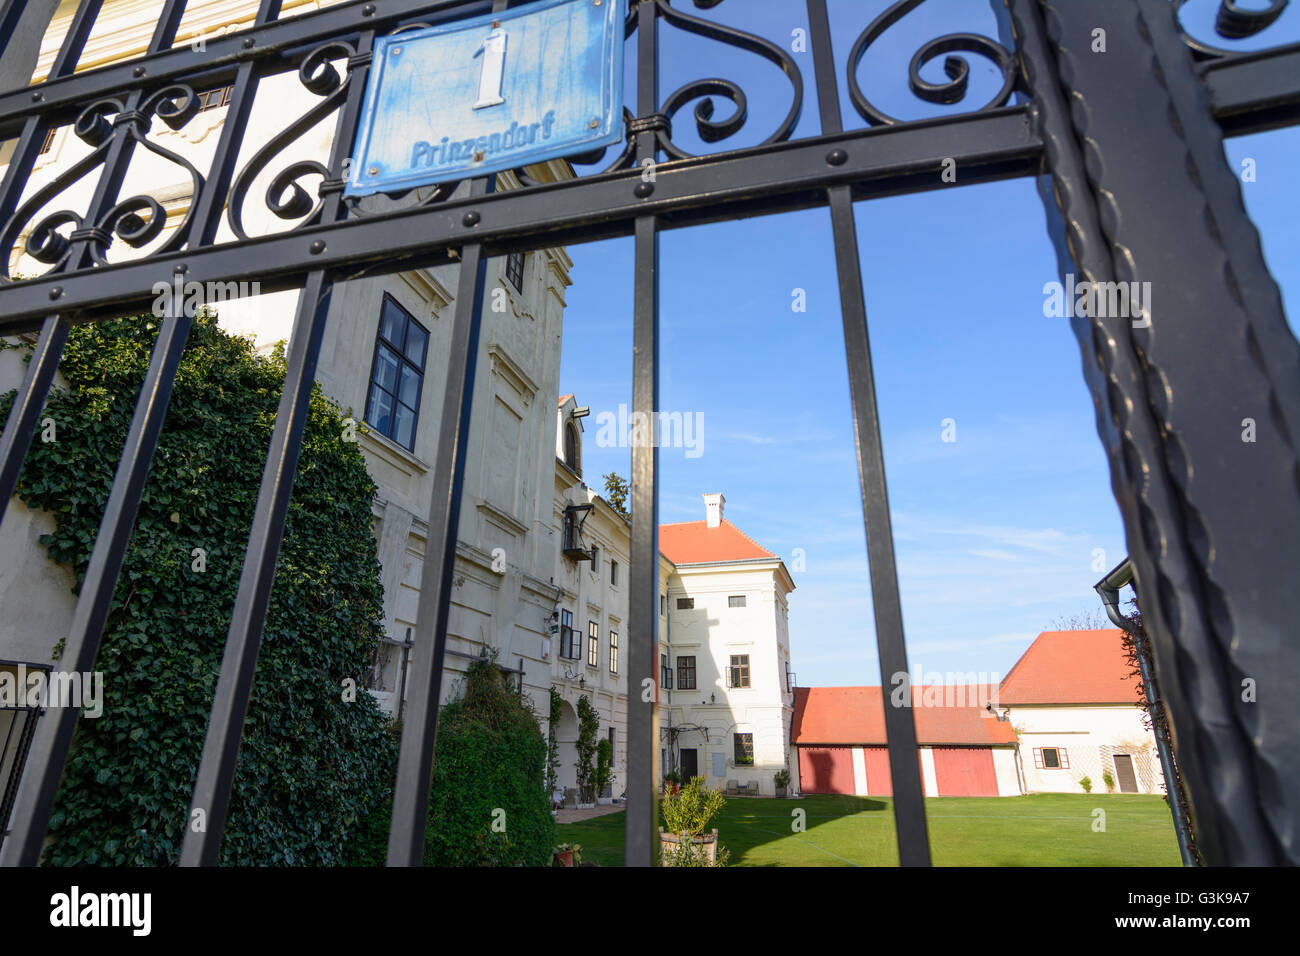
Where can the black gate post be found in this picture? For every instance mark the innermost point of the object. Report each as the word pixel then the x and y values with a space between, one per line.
pixel 1198 397
pixel 900 726
pixel 643 607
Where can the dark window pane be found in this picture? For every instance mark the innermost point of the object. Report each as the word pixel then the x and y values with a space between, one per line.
pixel 381 411
pixel 410 390
pixel 404 426
pixel 416 341
pixel 392 322
pixel 386 369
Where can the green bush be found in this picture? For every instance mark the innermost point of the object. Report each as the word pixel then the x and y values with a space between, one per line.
pixel 316 760
pixel 1108 780
pixel 1086 783
pixel 491 756
pixel 488 805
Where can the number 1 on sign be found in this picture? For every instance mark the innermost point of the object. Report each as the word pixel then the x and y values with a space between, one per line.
pixel 493 49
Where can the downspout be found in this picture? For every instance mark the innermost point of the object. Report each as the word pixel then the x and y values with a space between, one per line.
pixel 1108 588
pixel 406 660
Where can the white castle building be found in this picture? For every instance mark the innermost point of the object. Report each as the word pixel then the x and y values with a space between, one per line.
pixel 542 561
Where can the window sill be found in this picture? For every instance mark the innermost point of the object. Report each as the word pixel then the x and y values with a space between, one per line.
pixel 372 441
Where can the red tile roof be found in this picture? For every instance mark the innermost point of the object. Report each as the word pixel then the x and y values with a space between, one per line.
pixel 944 715
pixel 1072 667
pixel 694 542
pixel 563 399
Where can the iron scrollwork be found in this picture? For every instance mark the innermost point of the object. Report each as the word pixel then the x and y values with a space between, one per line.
pixel 956 68
pixel 1232 22
pixel 713 130
pixel 285 195
pixel 136 220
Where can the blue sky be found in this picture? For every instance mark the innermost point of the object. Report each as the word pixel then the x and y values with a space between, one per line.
pixel 997 533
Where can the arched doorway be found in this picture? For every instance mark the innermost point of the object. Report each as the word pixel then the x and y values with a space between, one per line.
pixel 566 746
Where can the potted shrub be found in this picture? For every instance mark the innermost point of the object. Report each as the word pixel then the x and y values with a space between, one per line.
pixel 687 812
pixel 568 854
pixel 782 780
pixel 1086 782
pixel 672 780
pixel 1108 780
pixel 604 770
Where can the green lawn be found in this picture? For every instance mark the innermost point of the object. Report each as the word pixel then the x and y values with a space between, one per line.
pixel 1036 830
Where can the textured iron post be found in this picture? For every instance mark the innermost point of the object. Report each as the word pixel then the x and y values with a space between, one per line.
pixel 643 630
pixel 420 725
pixel 900 728
pixel 1198 398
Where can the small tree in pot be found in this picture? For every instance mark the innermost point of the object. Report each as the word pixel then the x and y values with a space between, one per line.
pixel 687 811
pixel 782 780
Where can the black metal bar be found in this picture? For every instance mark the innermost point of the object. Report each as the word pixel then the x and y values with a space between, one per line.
pixel 881 161
pixel 10 13
pixel 420 728
pixel 900 728
pixel 211 802
pixel 211 201
pixel 1217 607
pixel 1254 92
pixel 640 832
pixel 29 401
pixel 54 732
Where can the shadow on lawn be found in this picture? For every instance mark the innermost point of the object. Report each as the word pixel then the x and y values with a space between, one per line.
pixel 745 825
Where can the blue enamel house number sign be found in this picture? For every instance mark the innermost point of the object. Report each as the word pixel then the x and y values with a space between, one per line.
pixel 497 92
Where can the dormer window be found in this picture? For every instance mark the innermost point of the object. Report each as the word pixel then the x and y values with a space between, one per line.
pixel 571 449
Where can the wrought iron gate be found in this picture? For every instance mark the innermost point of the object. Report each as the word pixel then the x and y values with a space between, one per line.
pixel 1127 149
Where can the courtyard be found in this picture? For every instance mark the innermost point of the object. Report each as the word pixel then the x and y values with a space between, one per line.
pixel 1033 830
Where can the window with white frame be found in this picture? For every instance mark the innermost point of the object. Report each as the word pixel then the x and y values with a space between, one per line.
pixel 593 644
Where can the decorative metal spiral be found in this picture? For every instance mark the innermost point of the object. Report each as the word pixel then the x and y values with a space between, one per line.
pixel 136 220
pixel 955 67
pixel 285 196
pixel 1232 22
pixel 713 130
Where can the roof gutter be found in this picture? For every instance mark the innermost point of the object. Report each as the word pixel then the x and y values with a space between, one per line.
pixel 1108 589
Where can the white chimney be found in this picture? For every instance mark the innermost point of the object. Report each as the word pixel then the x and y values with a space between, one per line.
pixel 713 505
